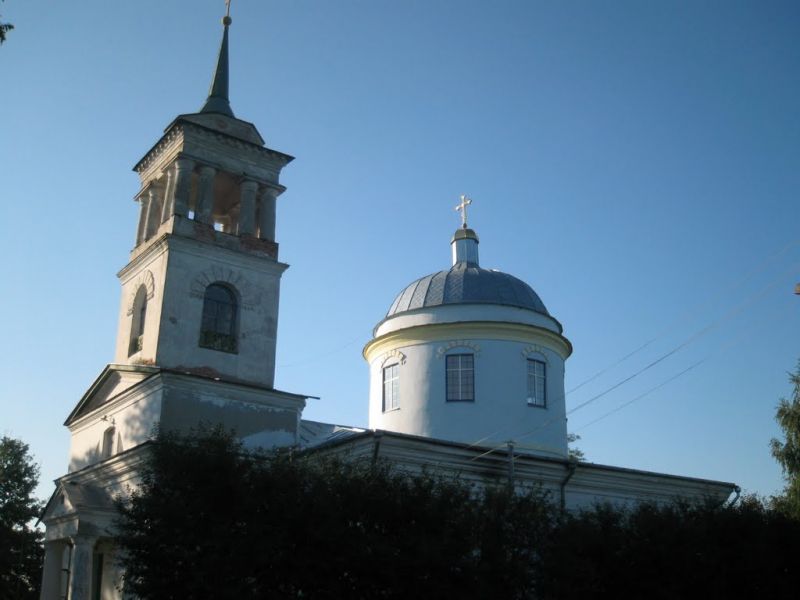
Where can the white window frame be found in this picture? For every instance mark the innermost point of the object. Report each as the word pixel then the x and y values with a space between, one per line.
pixel 464 378
pixel 534 379
pixel 391 387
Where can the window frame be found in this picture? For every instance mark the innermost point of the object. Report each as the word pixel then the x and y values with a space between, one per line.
pixel 138 321
pixel 108 442
pixel 461 375
pixel 394 370
pixel 532 378
pixel 214 338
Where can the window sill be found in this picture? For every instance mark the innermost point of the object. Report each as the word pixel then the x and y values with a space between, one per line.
pixel 218 342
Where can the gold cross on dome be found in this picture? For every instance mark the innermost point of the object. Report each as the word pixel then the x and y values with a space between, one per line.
pixel 462 208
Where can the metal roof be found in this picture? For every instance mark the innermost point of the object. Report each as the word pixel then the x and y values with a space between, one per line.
pixel 467 284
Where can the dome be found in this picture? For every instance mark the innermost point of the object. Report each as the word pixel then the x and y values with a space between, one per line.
pixel 467 283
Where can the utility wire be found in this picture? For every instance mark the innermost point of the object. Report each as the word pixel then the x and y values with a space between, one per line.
pixel 682 317
pixel 690 313
pixel 642 395
pixel 731 313
pixel 734 340
pixel 318 355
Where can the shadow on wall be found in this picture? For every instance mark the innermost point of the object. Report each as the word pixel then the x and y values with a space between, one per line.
pixel 137 427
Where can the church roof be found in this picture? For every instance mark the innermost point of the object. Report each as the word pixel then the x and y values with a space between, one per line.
pixel 467 283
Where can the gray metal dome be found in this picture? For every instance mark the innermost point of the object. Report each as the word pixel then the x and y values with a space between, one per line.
pixel 467 283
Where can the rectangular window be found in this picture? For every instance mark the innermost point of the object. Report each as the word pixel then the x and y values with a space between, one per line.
pixel 537 380
pixel 391 388
pixel 460 378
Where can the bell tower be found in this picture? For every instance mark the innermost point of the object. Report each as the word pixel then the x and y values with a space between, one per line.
pixel 196 335
pixel 200 293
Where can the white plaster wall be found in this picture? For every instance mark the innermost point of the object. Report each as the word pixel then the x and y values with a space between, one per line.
pixel 149 270
pixel 133 419
pixel 500 411
pixel 181 268
pixel 192 266
pixel 259 417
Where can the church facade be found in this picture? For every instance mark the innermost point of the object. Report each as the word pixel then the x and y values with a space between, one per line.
pixel 466 369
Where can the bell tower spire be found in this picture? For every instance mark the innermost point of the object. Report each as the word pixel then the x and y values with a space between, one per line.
pixel 200 293
pixel 217 101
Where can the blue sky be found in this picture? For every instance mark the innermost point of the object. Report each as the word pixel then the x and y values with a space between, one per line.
pixel 636 163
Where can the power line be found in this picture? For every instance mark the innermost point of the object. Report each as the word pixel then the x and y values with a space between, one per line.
pixel 642 395
pixel 689 313
pixel 731 313
pixel 318 355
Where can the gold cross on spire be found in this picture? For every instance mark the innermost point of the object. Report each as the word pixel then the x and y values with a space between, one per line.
pixel 462 208
pixel 227 8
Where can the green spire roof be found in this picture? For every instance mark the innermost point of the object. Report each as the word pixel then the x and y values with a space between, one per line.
pixel 217 101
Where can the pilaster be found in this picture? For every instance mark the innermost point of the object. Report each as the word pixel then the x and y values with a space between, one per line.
pixel 80 581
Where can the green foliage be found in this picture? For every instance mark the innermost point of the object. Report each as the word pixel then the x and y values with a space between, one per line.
pixel 20 544
pixel 673 551
pixel 574 452
pixel 4 28
pixel 211 520
pixel 787 453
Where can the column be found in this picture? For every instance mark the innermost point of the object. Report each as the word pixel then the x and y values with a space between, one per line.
pixel 169 196
pixel 233 220
pixel 247 210
pixel 51 572
pixel 183 180
pixel 266 219
pixel 205 195
pixel 80 581
pixel 143 209
pixel 153 219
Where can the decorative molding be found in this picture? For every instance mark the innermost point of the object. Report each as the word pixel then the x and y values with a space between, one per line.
pixel 534 349
pixel 160 151
pixel 145 279
pixel 249 294
pixel 393 355
pixel 442 350
pixel 476 330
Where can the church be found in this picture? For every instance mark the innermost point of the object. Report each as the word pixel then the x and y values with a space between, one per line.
pixel 466 368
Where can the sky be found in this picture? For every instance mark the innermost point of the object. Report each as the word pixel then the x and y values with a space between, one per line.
pixel 638 164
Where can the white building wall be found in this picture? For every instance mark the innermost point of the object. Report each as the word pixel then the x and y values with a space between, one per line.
pixel 133 417
pixel 176 273
pixel 500 411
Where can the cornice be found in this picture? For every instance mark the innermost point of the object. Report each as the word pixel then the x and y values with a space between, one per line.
pixel 434 332
pixel 182 128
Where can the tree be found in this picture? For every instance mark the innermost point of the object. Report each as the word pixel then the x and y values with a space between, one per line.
pixel 4 28
pixel 21 551
pixel 787 453
pixel 211 520
pixel 243 525
pixel 575 453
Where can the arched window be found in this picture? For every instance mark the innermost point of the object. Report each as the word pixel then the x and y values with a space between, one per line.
pixel 138 320
pixel 220 316
pixel 108 442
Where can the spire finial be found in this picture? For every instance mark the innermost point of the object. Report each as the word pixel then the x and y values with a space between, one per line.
pixel 462 207
pixel 465 241
pixel 217 101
